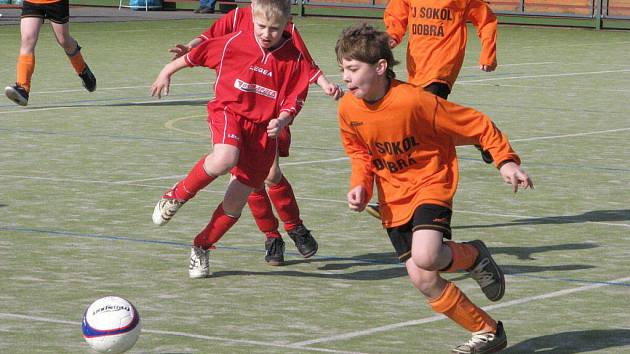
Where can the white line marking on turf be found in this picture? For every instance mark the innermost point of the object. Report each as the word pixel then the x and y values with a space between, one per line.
pixel 573 88
pixel 313 161
pixel 392 326
pixel 336 201
pixel 545 75
pixel 184 334
pixel 571 135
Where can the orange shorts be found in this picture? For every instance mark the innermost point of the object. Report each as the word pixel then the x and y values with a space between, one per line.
pixel 257 151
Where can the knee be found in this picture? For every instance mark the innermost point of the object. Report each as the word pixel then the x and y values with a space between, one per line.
pixel 27 45
pixel 426 260
pixel 424 282
pixel 219 164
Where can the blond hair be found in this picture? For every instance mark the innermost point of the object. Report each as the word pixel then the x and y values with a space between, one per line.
pixel 273 9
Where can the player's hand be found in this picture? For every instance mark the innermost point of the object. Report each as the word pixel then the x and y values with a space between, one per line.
pixel 161 86
pixel 513 174
pixel 334 91
pixel 357 198
pixel 273 128
pixel 179 50
pixel 392 42
pixel 487 68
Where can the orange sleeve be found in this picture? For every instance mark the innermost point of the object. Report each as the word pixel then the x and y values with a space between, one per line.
pixel 482 17
pixel 360 160
pixel 467 126
pixel 396 17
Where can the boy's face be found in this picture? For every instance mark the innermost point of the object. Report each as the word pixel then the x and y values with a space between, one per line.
pixel 268 31
pixel 364 80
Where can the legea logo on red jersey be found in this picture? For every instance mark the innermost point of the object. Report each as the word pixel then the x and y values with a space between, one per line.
pixel 258 69
pixel 257 89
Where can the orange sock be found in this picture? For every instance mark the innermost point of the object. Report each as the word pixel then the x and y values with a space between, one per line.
pixel 463 256
pixel 77 62
pixel 25 68
pixel 456 306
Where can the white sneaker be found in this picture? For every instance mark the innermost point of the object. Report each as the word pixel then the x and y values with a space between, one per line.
pixel 199 264
pixel 166 208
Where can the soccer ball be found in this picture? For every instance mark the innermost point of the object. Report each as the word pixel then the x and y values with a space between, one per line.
pixel 111 325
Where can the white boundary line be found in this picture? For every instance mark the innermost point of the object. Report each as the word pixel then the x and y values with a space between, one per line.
pixel 546 75
pixel 392 326
pixel 336 201
pixel 184 334
pixel 571 135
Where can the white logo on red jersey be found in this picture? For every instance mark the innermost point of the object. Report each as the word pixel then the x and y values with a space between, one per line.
pixel 257 89
pixel 258 69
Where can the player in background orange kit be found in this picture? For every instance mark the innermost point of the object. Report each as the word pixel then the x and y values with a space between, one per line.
pixel 403 139
pixel 262 82
pixel 280 192
pixel 34 12
pixel 437 44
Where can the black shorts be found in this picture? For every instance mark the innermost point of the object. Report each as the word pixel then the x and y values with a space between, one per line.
pixel 425 217
pixel 58 12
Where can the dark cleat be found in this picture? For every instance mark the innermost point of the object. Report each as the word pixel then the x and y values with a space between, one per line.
pixel 484 343
pixel 89 81
pixel 487 273
pixel 485 155
pixel 274 251
pixel 17 94
pixel 304 241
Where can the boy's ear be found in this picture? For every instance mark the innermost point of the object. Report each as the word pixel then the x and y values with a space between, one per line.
pixel 381 66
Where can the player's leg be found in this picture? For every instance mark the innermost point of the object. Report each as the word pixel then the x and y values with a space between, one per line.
pixel 206 170
pixel 223 218
pixel 59 18
pixel 30 25
pixel 283 199
pixel 262 211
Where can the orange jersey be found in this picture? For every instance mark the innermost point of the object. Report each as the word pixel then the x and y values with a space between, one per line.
pixel 44 2
pixel 438 35
pixel 406 144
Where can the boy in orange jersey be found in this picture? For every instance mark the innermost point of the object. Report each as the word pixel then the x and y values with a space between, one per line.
pixel 437 44
pixel 34 12
pixel 279 191
pixel 403 138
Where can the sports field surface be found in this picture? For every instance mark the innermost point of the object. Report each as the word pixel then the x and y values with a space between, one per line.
pixel 81 172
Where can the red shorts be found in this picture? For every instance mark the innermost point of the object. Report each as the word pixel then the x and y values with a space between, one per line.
pixel 257 151
pixel 284 142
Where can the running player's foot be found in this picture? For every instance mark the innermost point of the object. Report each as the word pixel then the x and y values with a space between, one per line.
pixel 199 263
pixel 374 210
pixel 304 241
pixel 274 248
pixel 17 94
pixel 487 273
pixel 166 208
pixel 485 155
pixel 89 81
pixel 484 343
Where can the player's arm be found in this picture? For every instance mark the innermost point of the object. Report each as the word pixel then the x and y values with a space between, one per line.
pixel 297 87
pixel 161 85
pixel 362 177
pixel 330 88
pixel 276 125
pixel 482 17
pixel 396 16
pixel 224 25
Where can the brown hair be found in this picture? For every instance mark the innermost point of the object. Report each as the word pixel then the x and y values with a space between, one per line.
pixel 364 43
pixel 273 9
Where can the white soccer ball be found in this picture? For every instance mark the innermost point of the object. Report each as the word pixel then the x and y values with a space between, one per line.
pixel 111 325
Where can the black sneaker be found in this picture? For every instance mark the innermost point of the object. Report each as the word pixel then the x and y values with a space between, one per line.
pixel 484 343
pixel 485 155
pixel 275 251
pixel 17 94
pixel 487 273
pixel 89 81
pixel 304 241
pixel 374 210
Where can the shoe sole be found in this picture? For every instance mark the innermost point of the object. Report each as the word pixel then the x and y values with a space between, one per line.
pixel 483 251
pixel 14 96
pixel 198 276
pixel 311 253
pixel 373 212
pixel 495 349
pixel 275 263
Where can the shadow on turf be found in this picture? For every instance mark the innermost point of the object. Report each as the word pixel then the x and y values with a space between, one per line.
pixel 525 253
pixel 192 102
pixel 574 342
pixel 590 216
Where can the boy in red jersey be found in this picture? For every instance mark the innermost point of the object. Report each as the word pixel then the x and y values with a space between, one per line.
pixel 262 82
pixel 403 139
pixel 34 12
pixel 280 192
pixel 437 44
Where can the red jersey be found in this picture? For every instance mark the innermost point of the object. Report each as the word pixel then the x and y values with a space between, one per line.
pixel 252 82
pixel 242 19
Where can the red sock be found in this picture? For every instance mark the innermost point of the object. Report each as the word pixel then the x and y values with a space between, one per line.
pixel 216 228
pixel 196 180
pixel 284 201
pixel 260 205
